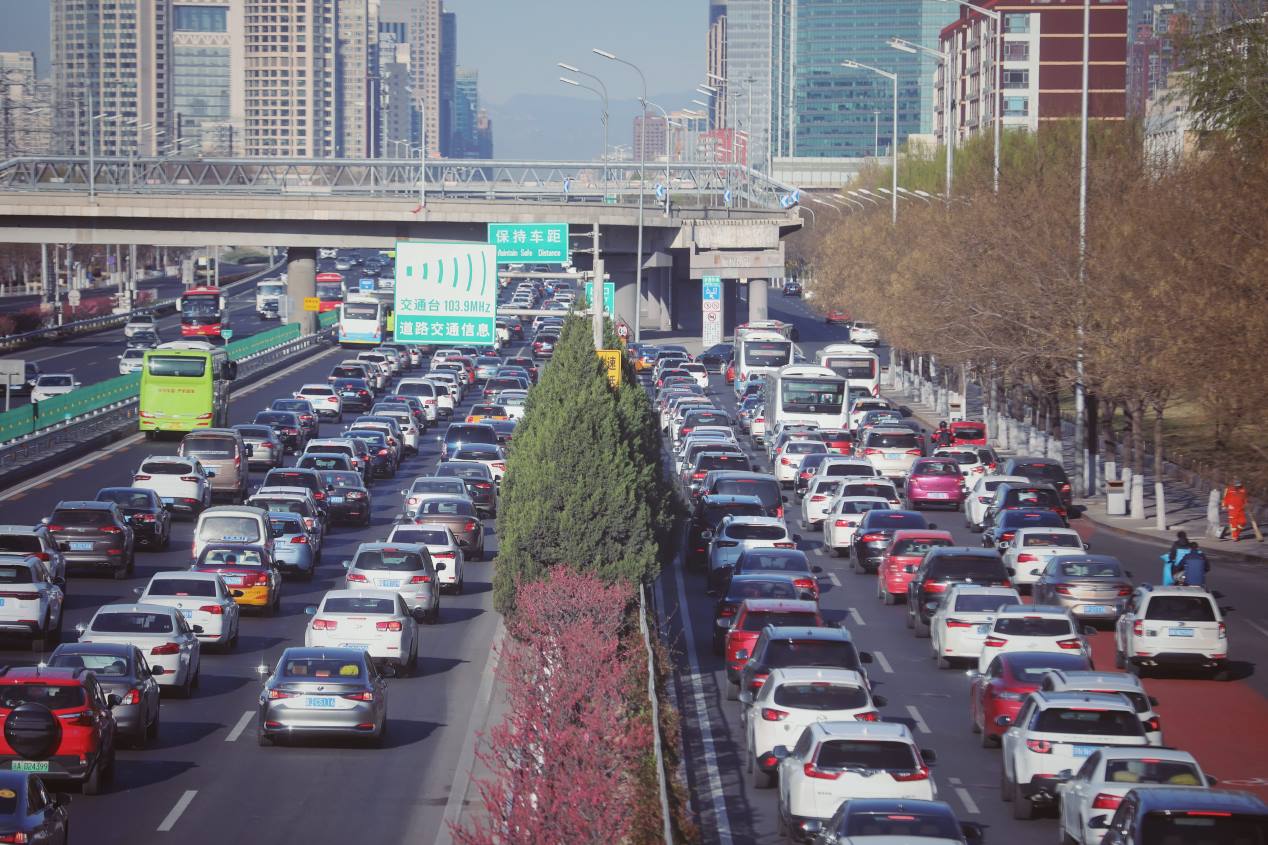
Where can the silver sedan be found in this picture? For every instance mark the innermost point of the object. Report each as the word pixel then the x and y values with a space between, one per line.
pixel 322 691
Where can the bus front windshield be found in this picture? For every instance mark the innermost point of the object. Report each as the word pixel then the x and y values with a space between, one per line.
pixel 200 307
pixel 272 290
pixel 330 290
pixel 767 353
pixel 812 395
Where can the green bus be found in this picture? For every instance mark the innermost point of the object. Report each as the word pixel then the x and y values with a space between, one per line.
pixel 185 386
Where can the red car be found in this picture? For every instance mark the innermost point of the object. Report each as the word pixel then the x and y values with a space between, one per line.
pixel 79 743
pixel 968 433
pixel 1011 677
pixel 730 373
pixel 752 617
pixel 836 316
pixel 906 550
pixel 935 481
pixel 838 440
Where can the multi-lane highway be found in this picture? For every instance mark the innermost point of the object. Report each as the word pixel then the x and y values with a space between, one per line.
pixel 1216 721
pixel 205 780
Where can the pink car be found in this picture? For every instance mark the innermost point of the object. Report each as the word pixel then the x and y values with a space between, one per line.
pixel 935 481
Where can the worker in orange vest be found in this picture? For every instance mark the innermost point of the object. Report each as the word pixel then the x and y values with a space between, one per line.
pixel 1235 503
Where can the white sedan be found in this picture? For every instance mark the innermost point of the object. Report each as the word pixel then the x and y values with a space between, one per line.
pixel 140 323
pixel 374 621
pixel 443 546
pixel 202 598
pixel 183 484
pixel 514 401
pixel 169 643
pixel 840 523
pixel 1029 627
pixel 325 400
pixel 52 384
pixel 981 494
pixel 818 500
pixel 1026 556
pixel 958 627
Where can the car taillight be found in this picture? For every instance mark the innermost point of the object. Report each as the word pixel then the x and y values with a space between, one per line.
pixel 1070 644
pixel 818 498
pixel 213 609
pixel 785 461
pixel 770 714
pixel 871 451
pixel 356 578
pixel 1061 589
pixel 727 610
pixel 846 523
pixel 383 452
pixel 994 642
pixel 1007 536
pixel 133 697
pixel 144 517
pixel 1154 724
pixel 935 587
pixel 325 624
pixel 873 538
pixel 1106 801
pixel 359 696
pixel 811 771
pixel 867 716
pixel 779 512
pixel 785 545
pixel 805 584
pixel 134 478
pixel 698 475
pixel 275 694
pixel 189 478
pixel 1039 746
pixel 419 579
pixel 1025 558
pixel 483 485
pixel 915 452
pixel 300 538
pixel 1138 628
pixel 391 625
pixel 255 579
pixel 915 774
pixel 958 623
pixel 469 525
pixel 319 495
pixel 112 529
pixel 166 648
pixel 356 494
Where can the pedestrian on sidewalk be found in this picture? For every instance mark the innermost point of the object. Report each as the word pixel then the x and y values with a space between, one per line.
pixel 1235 503
pixel 1191 570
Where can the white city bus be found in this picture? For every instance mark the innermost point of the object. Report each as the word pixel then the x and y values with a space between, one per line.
pixel 859 366
pixel 804 393
pixel 760 353
pixel 362 321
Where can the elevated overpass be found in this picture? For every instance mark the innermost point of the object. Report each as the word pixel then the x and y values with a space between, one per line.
pixel 723 220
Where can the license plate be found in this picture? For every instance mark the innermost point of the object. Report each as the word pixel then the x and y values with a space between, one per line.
pixel 233 538
pixel 336 500
pixel 1180 632
pixel 349 396
pixel 28 766
pixel 360 646
pixel 232 579
pixel 188 614
pixel 391 583
pixel 893 456
pixel 1085 750
pixel 1095 608
pixel 939 495
pixel 81 547
pixel 320 702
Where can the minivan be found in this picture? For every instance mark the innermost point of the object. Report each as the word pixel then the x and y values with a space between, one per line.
pixel 225 452
pixel 232 524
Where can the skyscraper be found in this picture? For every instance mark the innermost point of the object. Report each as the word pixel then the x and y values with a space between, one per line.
pixel 715 62
pixel 466 111
pixel 358 78
pixel 207 83
pixel 448 63
pixel 398 115
pixel 421 20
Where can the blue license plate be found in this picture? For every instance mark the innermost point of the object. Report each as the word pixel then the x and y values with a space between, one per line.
pixel 336 500
pixel 1084 750
pixel 1095 608
pixel 1180 632
pixel 81 547
pixel 188 614
pixel 390 583
pixel 320 702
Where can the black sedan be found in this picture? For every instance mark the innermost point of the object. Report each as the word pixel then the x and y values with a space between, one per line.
pixel 792 288
pixel 717 357
pixel 875 530
pixel 355 393
pixel 481 488
pixel 304 408
pixel 288 427
pixel 349 498
pixel 142 340
pixel 151 521
pixel 121 670
pixel 28 810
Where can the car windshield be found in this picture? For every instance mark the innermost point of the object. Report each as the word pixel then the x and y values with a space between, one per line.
pixel 1181 609
pixel 860 507
pixel 424 536
pixel 181 587
pixel 1033 626
pixel 743 531
pixel 1203 828
pixel 917 548
pixel 1091 569
pixel 1088 721
pixel 359 604
pixel 1065 541
pixel 255 431
pixel 327 461
pixel 1022 519
pixel 938 468
pixel 722 460
pixel 976 603
pixel 438 485
pixel 16 574
pixel 208 447
pixel 967 568
pixel 128 622
pixel 231 557
pixel 292 405
pixel 56 381
pixel 342 478
pixel 742 589
pixel 894 520
pixel 1032 668
pixel 86 517
pixel 865 754
pixel 902 825
pixel 774 562
pixel 394 560
pixel 767 490
pixel 837 653
pixel 308 668
pixel 869 488
pixel 882 440
pixel 968 432
pixel 102 665
pixel 1153 770
pixel 52 696
pixel 450 507
pixel 758 619
pixel 24 543
pixel 820 695
pixel 1041 472
pixel 241 529
pixel 285 527
pixel 167 468
pixel 469 470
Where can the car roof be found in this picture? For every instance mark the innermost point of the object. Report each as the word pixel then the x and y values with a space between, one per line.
pixel 808 632
pixel 137 607
pixel 808 674
pixel 1082 679
pixel 187 573
pixel 352 594
pixel 898 805
pixel 980 589
pixel 1022 610
pixel 82 504
pixel 58 675
pixel 25 529
pixel 302 652
pixel 782 604
pixel 121 649
pixel 915 533
pixel 862 730
pixel 1087 558
pixel 756 520
pixel 1071 698
pixel 730 499
pixel 235 510
pixel 1179 799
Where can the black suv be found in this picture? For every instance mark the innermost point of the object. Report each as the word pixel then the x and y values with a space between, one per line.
pixel 944 566
pixel 1012 495
pixel 1045 470
pixel 1005 526
pixel 94 534
pixel 875 530
pixel 143 509
pixel 1185 814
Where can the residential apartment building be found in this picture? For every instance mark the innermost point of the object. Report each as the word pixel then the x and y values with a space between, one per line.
pixel 399 126
pixel 358 77
pixel 1040 76
pixel 448 66
pixel 657 136
pixel 421 21
pixel 25 111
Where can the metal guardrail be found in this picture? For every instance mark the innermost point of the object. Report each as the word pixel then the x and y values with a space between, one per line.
pixel 111 417
pixel 596 181
pixel 662 787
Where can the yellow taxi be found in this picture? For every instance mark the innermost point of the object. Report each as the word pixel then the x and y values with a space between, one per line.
pixel 487 413
pixel 248 571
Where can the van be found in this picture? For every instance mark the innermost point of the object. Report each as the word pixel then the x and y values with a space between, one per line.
pixel 232 524
pixel 426 393
pixel 224 451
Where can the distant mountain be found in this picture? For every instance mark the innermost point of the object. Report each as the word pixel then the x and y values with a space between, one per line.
pixel 545 127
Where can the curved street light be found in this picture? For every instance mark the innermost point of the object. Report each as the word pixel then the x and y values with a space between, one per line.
pixel 892 76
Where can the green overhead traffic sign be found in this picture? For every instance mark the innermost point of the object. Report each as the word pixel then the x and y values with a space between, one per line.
pixel 609 297
pixel 530 243
pixel 446 293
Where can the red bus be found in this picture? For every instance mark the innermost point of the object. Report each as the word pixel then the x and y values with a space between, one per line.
pixel 203 312
pixel 330 290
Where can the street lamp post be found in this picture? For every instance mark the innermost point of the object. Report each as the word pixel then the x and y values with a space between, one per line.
pixel 665 115
pixel 603 93
pixel 947 108
pixel 997 100
pixel 642 189
pixel 893 141
pixel 1083 477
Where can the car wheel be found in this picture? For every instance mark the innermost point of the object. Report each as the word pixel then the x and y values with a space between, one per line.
pixel 434 615
pixel 121 573
pixel 989 741
pixel 460 586
pixel 380 738
pixel 262 739
pixel 152 729
pixel 717 646
pixel 1118 660
pixel 1023 808
pixel 185 690
pixel 973 725
pixel 889 598
pixel 761 779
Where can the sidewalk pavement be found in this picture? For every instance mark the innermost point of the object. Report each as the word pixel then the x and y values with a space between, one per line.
pixel 1186 508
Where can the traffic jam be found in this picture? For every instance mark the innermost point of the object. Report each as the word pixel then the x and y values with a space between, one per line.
pixel 320 550
pixel 807 488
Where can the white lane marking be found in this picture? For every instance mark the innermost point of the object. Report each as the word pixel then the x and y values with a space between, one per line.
pixel 55 474
pixel 856 616
pixel 918 719
pixel 181 805
pixel 240 726
pixel 716 796
pixel 1260 628
pixel 967 800
pixel 880 658
pixel 832 576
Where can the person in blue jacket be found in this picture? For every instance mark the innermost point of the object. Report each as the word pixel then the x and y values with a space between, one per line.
pixel 1179 549
pixel 1194 567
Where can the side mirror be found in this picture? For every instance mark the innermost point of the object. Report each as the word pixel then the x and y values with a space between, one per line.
pixel 1089 630
pixel 237 594
pixel 137 590
pixel 157 670
pixel 1003 721
pixel 785 498
pixel 441 566
pixel 1210 781
pixel 44 521
pixel 933 526
pixel 347 564
pixel 706 534
pixel 1099 823
pixel 931 606
pixel 419 614
pixel 746 697
pixel 816 569
pixel 930 756
pixel 211 473
pixel 974 833
pixel 1064 775
pixel 311 610
pixel 880 700
pixel 779 752
pixel 61 799
pixel 1153 702
pixel 262 672
pixel 197 629
pixel 865 657
pixel 80 628
pixel 113 700
pixel 1128 573
pixel 1087 546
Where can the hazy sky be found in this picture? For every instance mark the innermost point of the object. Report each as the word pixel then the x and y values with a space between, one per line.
pixel 515 43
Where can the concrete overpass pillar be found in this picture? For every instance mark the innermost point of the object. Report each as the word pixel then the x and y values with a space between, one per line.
pixel 301 282
pixel 665 294
pixel 758 290
pixel 652 281
pixel 730 305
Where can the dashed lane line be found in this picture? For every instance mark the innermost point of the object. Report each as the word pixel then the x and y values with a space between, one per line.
pixel 240 726
pixel 880 658
pixel 918 719
pixel 174 816
pixel 857 617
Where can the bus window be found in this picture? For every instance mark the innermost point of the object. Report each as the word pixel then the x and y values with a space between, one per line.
pixel 163 365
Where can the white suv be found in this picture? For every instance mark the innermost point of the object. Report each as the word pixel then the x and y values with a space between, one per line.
pixel 1055 731
pixel 737 533
pixel 32 600
pixel 1171 626
pixel 325 400
pixel 1065 680
pixel 1026 556
pixel 959 626
pixel 891 450
pixel 1028 627
pixel 183 484
pixel 835 761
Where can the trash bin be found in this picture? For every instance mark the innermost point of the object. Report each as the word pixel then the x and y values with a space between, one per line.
pixel 1115 499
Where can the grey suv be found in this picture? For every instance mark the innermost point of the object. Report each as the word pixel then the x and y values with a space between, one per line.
pixel 94 534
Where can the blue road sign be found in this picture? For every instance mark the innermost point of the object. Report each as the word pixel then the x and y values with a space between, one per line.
pixel 712 287
pixel 726 196
pixel 660 191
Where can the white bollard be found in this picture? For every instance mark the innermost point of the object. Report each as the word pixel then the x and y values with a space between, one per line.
pixel 1138 497
pixel 1111 470
pixel 1214 524
pixel 1160 502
